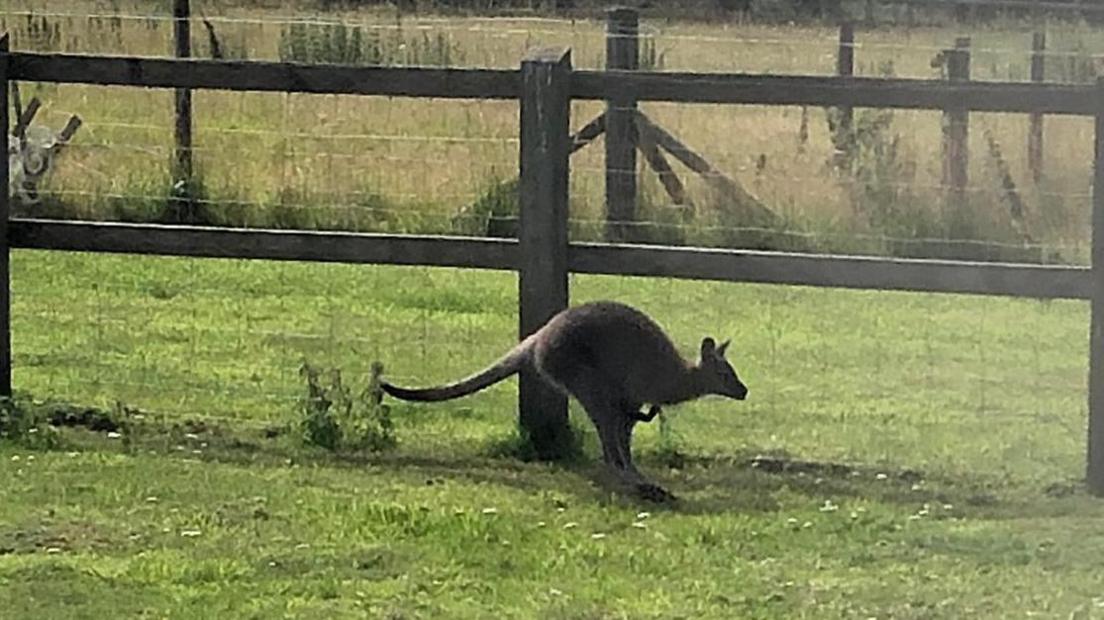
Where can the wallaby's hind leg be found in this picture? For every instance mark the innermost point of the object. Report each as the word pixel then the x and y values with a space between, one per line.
pixel 600 411
pixel 606 408
pixel 603 409
pixel 647 489
pixel 624 425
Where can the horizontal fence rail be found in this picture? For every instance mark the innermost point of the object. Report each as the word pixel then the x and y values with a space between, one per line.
pixel 736 88
pixel 266 76
pixel 731 88
pixel 1038 281
pixel 293 245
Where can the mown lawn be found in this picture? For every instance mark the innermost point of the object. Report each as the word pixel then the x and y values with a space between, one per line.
pixel 942 436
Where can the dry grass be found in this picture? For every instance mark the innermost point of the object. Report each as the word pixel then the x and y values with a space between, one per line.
pixel 406 164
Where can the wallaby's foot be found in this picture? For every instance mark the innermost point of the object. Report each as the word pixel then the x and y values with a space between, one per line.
pixel 655 493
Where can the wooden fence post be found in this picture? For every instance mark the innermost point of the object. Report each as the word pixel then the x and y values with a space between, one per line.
pixel 622 53
pixel 182 206
pixel 1094 473
pixel 542 277
pixel 1035 132
pixel 845 67
pixel 956 131
pixel 5 248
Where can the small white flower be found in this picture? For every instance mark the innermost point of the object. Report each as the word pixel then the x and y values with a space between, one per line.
pixel 597 536
pixel 948 507
pixel 302 546
pixel 15 459
pixel 639 524
pixel 191 435
pixel 53 550
pixel 791 521
pixel 541 524
pixel 151 499
pixel 881 477
pixel 829 506
pixel 490 511
pixel 569 525
pixel 190 533
pixel 807 524
pixel 640 516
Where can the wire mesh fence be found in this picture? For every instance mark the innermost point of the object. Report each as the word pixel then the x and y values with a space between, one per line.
pixel 787 158
pixel 1002 49
pixel 225 340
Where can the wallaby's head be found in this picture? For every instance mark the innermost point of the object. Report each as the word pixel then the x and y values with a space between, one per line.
pixel 718 376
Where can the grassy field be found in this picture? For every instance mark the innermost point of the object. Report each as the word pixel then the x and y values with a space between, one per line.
pixel 958 423
pixel 417 165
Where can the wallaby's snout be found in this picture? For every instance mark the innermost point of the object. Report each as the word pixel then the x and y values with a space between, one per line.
pixel 739 391
pixel 733 387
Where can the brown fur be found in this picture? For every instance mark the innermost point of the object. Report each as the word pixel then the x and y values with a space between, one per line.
pixel 613 359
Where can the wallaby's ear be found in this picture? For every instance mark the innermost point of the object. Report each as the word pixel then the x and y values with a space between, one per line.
pixel 708 347
pixel 721 349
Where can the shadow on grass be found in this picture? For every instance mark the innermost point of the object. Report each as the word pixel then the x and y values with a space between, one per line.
pixel 747 482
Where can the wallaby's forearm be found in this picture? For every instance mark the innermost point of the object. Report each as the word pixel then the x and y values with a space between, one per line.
pixel 647 417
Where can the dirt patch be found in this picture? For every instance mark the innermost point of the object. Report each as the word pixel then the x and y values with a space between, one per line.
pixel 51 537
pixel 781 465
pixel 85 417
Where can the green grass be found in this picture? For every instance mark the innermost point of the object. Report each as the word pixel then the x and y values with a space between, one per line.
pixel 973 408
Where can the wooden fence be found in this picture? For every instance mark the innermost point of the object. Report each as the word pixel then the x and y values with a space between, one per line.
pixel 545 84
pixel 956 62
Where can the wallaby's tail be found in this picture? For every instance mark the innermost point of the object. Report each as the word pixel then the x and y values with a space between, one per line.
pixel 507 365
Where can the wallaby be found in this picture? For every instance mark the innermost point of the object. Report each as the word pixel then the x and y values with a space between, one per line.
pixel 613 359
